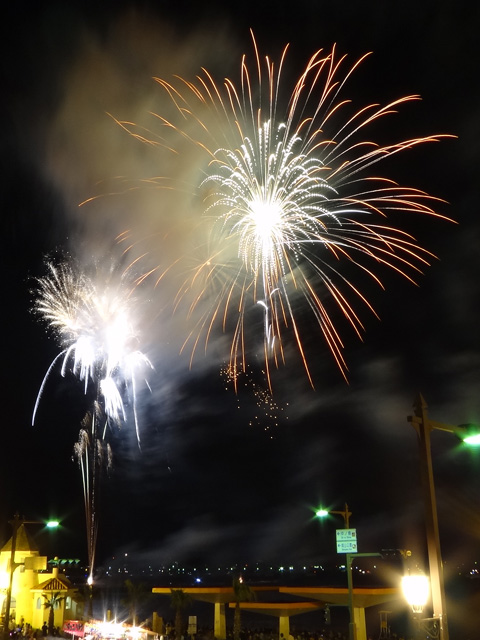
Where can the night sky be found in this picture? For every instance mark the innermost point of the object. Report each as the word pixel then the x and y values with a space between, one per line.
pixel 221 476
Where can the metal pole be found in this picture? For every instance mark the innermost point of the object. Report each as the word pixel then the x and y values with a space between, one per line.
pixel 352 632
pixel 16 522
pixel 346 516
pixel 424 428
pixel 352 627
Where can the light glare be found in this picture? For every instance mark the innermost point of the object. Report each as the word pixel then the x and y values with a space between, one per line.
pixel 416 590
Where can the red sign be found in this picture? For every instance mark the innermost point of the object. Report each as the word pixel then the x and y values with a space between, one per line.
pixel 74 627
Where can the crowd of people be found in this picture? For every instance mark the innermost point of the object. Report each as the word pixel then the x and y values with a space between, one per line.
pixel 272 634
pixel 25 631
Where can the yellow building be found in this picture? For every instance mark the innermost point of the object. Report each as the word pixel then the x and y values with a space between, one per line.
pixel 33 586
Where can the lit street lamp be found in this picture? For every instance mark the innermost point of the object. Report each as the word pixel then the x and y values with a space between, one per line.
pixel 322 513
pixel 416 589
pixel 16 523
pixel 423 425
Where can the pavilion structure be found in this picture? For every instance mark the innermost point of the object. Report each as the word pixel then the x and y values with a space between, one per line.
pixel 296 601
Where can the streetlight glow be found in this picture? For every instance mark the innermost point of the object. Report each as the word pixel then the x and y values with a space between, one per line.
pixel 470 434
pixel 52 524
pixel 322 513
pixel 416 589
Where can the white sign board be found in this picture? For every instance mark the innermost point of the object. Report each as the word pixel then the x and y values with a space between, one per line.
pixel 192 625
pixel 37 563
pixel 346 541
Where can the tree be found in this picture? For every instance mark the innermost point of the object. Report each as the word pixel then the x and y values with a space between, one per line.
pixel 87 594
pixel 137 594
pixel 242 593
pixel 179 601
pixel 52 602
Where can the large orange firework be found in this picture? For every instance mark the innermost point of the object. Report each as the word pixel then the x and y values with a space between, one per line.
pixel 291 199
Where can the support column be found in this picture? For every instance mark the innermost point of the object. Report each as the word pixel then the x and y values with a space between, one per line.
pixel 157 624
pixel 284 627
pixel 220 626
pixel 360 625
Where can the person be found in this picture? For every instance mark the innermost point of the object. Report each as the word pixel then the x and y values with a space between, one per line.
pixel 44 630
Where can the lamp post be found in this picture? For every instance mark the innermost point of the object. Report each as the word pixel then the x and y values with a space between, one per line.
pixel 346 513
pixel 16 523
pixel 6 624
pixel 424 426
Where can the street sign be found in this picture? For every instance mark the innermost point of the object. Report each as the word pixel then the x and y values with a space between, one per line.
pixel 346 541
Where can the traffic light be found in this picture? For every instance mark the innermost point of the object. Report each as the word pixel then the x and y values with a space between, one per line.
pixel 326 614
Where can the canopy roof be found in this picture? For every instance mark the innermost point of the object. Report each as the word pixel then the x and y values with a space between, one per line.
pixel 312 597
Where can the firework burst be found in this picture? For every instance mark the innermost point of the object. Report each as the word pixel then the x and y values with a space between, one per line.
pixel 291 199
pixel 93 319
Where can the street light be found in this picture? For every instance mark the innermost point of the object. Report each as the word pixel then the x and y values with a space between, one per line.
pixel 16 523
pixel 322 513
pixel 416 589
pixel 423 425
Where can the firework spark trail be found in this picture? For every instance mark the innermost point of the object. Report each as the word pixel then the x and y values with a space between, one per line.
pixel 94 321
pixel 94 456
pixel 291 200
pixel 268 412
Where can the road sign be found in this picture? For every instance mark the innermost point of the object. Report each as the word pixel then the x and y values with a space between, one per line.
pixel 346 541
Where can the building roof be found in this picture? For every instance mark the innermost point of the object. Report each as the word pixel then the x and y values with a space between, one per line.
pixel 54 584
pixel 23 541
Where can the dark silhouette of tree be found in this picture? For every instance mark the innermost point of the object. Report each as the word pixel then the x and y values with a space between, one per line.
pixel 179 601
pixel 87 594
pixel 242 593
pixel 136 596
pixel 52 602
